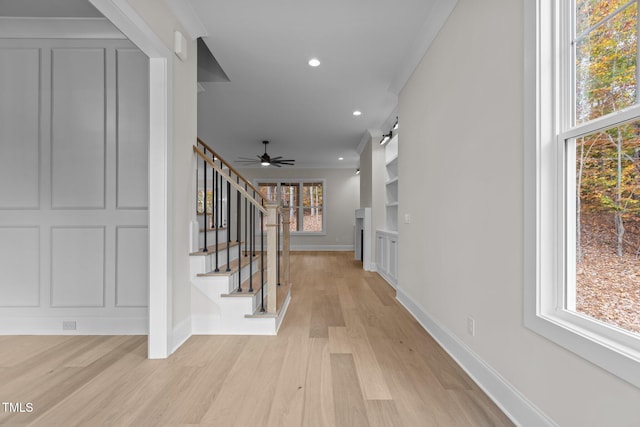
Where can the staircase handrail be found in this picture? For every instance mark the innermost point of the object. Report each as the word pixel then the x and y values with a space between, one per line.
pixel 223 161
pixel 228 178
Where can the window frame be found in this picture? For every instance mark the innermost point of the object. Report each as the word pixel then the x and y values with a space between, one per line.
pixel 300 181
pixel 548 200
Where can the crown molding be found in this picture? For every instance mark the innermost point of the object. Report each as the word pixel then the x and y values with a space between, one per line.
pixel 59 28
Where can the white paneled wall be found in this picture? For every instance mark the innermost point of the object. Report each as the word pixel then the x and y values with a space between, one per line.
pixel 73 186
pixel 19 128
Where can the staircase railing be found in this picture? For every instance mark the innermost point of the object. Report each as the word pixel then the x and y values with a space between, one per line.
pixel 221 183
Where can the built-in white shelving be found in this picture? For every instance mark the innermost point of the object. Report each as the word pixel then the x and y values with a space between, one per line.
pixel 387 238
pixel 391 184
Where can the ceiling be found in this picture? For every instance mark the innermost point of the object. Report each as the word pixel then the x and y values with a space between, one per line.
pixel 367 49
pixel 262 86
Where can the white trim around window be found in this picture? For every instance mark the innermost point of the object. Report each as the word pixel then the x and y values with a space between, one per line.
pixel 545 202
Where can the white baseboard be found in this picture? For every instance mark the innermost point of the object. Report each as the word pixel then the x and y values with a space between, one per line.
pixel 181 333
pixel 513 403
pixel 388 279
pixel 329 248
pixel 283 311
pixel 84 326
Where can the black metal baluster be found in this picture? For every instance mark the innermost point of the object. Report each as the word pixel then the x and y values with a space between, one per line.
pixel 215 215
pixel 262 256
pixel 251 213
pixel 229 226
pixel 278 248
pixel 204 204
pixel 197 185
pixel 246 214
pixel 238 230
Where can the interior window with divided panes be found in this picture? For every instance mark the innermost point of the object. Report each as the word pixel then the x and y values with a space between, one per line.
pixel 302 198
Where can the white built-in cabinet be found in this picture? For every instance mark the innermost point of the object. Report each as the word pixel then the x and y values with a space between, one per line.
pixel 387 255
pixel 387 238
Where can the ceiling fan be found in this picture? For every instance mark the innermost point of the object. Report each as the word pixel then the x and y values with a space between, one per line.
pixel 266 160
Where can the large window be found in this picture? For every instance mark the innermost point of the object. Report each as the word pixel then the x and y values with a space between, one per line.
pixel 583 180
pixel 303 198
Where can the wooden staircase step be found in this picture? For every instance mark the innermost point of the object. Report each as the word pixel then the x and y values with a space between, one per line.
pixel 245 287
pixel 212 248
pixel 281 296
pixel 233 267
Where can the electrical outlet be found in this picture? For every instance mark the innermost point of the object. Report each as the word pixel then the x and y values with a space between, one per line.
pixel 471 326
pixel 68 325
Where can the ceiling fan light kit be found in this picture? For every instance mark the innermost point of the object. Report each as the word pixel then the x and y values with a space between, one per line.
pixel 266 160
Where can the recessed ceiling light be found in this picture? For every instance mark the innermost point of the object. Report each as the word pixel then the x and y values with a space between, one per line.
pixel 314 62
pixel 357 113
pixel 340 158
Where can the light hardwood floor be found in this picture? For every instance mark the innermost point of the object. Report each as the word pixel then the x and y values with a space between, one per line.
pixel 347 354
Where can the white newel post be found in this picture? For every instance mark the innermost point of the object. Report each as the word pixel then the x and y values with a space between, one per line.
pixel 272 256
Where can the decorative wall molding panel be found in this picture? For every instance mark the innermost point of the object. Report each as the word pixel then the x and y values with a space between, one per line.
pixel 73 186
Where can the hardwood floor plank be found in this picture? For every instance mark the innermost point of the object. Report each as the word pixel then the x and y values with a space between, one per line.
pixel 108 344
pixel 15 350
pixel 318 409
pixel 197 386
pixel 60 383
pixel 102 399
pixel 344 294
pixel 318 327
pixel 382 290
pixel 347 395
pixel 289 394
pixel 39 363
pixel 372 382
pixel 383 413
pixel 248 388
pixel 339 340
pixel 479 409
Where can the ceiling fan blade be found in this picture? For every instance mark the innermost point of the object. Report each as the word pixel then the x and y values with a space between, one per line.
pixel 276 165
pixel 276 158
pixel 286 160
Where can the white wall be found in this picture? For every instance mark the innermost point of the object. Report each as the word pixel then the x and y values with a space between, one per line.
pixel 73 186
pixel 461 179
pixel 341 197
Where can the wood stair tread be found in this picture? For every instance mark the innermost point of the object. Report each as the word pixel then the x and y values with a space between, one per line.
pixel 212 248
pixel 245 287
pixel 233 267
pixel 281 296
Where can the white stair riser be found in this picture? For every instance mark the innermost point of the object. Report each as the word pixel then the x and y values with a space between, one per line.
pixel 207 263
pixel 215 314
pixel 211 237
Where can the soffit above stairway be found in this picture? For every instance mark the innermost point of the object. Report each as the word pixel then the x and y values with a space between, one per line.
pixel 367 48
